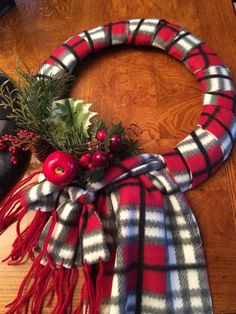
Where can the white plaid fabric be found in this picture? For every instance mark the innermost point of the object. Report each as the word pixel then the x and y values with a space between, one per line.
pixel 185 42
pixel 218 78
pixel 188 147
pixel 187 288
pixel 97 34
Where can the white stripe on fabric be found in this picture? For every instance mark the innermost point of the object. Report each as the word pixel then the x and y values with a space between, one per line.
pixel 196 302
pixel 69 60
pixel 66 253
pixel 174 281
pixel 134 214
pixel 114 201
pixel 171 255
pixel 193 280
pixel 189 254
pixel 51 70
pixel 57 231
pixel 178 303
pixel 155 303
pixel 188 147
pixel 133 24
pixel 185 234
pixel 92 257
pixel 115 283
pixel 175 203
pixel 92 240
pixel 129 232
pixel 188 42
pixel 149 26
pixel 97 34
pixel 155 232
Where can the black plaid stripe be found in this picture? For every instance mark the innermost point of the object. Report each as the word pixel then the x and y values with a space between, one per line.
pixel 211 98
pixel 215 78
pixel 157 39
pixel 200 53
pixel 135 33
pixel 163 25
pixel 58 61
pixel 89 40
pixel 203 151
pixel 71 50
pixel 183 44
pixel 142 209
pixel 213 117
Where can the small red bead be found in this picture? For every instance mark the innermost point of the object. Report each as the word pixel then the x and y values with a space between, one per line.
pixel 13 160
pixel 90 166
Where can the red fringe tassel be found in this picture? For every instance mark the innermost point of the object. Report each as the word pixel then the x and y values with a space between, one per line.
pixel 12 206
pixel 44 283
pixel 26 240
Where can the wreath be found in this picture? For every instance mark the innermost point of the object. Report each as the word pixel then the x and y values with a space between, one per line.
pixel 99 206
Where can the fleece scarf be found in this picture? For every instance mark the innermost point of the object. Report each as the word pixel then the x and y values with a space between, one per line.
pixel 132 233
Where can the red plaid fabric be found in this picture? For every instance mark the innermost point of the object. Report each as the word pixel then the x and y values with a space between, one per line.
pixel 190 163
pixel 139 245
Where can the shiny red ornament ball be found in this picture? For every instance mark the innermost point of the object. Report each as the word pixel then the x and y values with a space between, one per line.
pixel 60 168
pixel 115 145
pixel 99 158
pixel 100 136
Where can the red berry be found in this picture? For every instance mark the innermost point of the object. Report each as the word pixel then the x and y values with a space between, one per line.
pixel 12 149
pixel 115 146
pixel 101 135
pixel 99 158
pixel 115 137
pixel 84 160
pixel 109 156
pixel 60 168
pixel 89 156
pixel 13 160
pixel 90 166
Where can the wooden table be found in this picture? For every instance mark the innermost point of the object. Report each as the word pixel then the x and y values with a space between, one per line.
pixel 158 93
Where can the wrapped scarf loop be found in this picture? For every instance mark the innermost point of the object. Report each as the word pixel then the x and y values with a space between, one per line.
pixel 133 233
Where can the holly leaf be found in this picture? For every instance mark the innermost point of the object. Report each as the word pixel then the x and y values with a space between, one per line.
pixel 71 115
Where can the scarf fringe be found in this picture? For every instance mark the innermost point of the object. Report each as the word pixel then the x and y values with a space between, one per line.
pixel 13 205
pixel 43 284
pixel 26 241
pixel 91 292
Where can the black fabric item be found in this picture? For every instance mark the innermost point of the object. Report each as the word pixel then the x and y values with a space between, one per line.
pixel 9 173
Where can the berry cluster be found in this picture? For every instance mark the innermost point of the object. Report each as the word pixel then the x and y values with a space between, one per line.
pixel 100 158
pixel 14 143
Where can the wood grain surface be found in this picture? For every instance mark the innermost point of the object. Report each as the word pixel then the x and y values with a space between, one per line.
pixel 141 86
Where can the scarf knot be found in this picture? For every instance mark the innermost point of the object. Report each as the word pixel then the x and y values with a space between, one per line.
pixel 77 234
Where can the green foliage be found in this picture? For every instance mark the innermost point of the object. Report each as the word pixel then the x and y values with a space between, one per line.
pixel 96 126
pixel 30 104
pixel 116 129
pixel 69 122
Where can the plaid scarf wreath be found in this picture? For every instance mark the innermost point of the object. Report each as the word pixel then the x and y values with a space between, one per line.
pixel 132 233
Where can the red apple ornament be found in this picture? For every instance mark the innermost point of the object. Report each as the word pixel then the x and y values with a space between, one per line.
pixel 60 168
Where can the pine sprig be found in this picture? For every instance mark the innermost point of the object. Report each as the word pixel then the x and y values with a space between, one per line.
pixel 30 104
